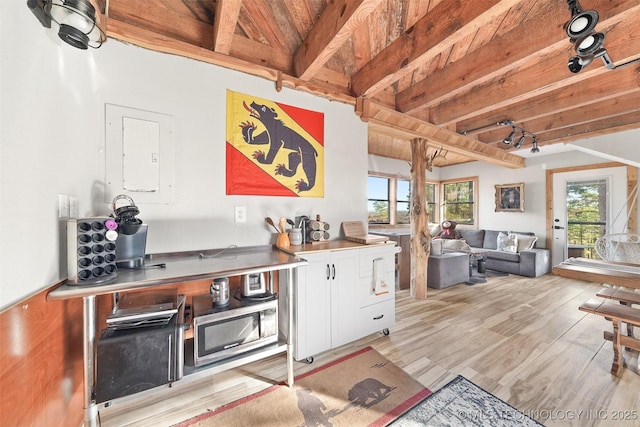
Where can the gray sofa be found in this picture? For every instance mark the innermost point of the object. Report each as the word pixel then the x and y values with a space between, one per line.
pixel 532 262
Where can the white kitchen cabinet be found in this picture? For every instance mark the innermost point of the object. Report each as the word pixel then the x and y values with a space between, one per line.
pixel 334 298
pixel 312 306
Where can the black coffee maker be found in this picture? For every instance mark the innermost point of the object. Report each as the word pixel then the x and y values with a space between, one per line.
pixel 132 234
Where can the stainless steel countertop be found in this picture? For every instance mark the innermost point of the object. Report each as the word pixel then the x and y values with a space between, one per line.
pixel 186 266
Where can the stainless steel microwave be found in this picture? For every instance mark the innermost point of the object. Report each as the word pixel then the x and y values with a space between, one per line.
pixel 224 332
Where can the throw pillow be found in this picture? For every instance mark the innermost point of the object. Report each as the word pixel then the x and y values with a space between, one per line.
pixel 450 245
pixel 526 242
pixel 507 242
pixel 436 247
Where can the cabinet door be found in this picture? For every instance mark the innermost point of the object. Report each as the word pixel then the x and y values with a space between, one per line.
pixel 344 301
pixel 369 277
pixel 312 311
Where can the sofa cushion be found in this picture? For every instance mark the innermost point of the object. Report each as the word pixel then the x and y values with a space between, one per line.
pixel 507 242
pixel 491 239
pixel 475 238
pixel 504 256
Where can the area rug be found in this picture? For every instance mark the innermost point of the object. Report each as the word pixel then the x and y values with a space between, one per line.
pixel 360 389
pixel 462 403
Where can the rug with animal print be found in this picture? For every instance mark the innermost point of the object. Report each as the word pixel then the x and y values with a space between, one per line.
pixel 362 388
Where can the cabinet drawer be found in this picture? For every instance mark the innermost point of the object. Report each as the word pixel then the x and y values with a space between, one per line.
pixel 376 317
pixel 368 255
pixel 366 290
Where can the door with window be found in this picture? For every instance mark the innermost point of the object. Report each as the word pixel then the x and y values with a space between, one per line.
pixel 583 203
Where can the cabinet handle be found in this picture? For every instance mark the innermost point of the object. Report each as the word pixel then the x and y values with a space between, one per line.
pixel 328 272
pixel 333 267
pixel 378 317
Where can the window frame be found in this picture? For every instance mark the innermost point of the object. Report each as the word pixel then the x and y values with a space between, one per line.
pixel 474 210
pixel 393 199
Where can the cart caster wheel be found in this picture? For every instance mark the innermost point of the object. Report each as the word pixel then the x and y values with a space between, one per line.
pixel 310 360
pixel 385 332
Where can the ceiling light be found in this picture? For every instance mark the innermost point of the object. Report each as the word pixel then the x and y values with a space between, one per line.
pixel 589 44
pixel 577 63
pixel 535 148
pixel 520 141
pixel 512 134
pixel 582 24
pixel 76 21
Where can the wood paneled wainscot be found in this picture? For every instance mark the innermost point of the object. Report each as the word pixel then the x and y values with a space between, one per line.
pixel 41 362
pixel 335 296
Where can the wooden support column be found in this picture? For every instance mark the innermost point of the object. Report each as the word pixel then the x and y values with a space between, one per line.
pixel 420 238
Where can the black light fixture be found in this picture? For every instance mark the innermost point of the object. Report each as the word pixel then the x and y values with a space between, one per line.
pixel 588 44
pixel 76 20
pixel 509 139
pixel 534 148
pixel 520 141
pixel 512 134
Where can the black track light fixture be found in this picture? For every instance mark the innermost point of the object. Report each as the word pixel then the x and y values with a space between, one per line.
pixel 76 20
pixel 509 139
pixel 520 141
pixel 589 45
pixel 534 148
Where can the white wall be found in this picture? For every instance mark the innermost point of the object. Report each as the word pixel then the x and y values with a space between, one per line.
pixel 52 136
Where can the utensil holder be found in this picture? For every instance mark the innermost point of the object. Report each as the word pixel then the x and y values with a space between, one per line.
pixel 283 240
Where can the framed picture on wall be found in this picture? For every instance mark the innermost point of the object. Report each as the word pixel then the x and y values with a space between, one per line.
pixel 510 197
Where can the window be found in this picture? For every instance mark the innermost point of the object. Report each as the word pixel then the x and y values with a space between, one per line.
pixel 431 197
pixel 458 199
pixel 586 216
pixel 403 201
pixel 378 195
pixel 389 200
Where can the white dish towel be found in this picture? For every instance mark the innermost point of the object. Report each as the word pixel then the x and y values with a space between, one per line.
pixel 380 286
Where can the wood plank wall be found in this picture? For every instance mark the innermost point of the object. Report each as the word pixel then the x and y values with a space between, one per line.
pixel 41 362
pixel 41 359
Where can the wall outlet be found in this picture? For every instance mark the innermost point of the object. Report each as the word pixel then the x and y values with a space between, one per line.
pixel 73 207
pixel 63 206
pixel 240 214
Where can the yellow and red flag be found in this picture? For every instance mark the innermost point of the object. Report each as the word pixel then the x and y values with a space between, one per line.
pixel 273 149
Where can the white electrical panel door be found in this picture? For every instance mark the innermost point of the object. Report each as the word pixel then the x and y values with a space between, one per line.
pixel 139 155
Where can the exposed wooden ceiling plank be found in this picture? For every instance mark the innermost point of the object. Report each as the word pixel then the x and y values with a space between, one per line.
pixel 333 29
pixel 224 24
pixel 155 15
pixel 448 23
pixel 595 89
pixel 387 121
pixel 546 75
pixel 500 55
pixel 150 40
pixel 595 128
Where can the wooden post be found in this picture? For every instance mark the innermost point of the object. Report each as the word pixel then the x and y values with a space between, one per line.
pixel 420 237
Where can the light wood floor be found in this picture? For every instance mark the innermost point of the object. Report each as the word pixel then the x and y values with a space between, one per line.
pixel 522 339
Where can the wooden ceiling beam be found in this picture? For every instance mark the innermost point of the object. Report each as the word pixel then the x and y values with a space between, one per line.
pixel 170 18
pixel 224 24
pixel 511 50
pixel 606 126
pixel 548 74
pixel 598 88
pixel 335 26
pixel 448 23
pixel 393 123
